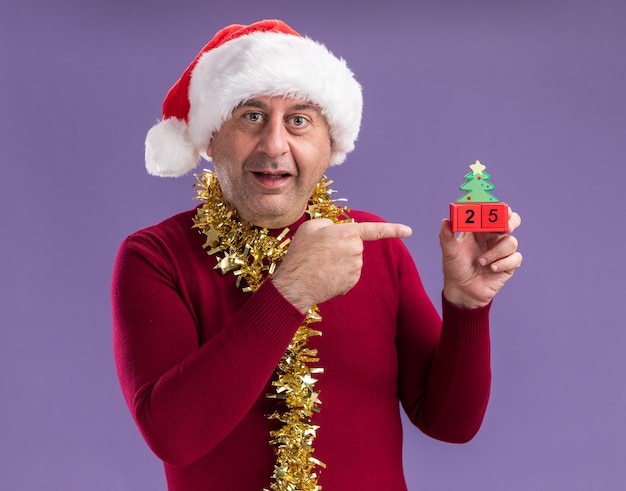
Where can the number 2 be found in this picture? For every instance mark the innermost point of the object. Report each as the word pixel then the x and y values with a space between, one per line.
pixel 470 216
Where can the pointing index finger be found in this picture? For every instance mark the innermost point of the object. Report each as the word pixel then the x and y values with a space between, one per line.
pixel 382 230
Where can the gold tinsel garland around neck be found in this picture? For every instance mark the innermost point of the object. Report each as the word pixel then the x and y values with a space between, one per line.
pixel 252 254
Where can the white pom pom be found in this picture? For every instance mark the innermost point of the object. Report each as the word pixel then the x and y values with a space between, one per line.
pixel 169 152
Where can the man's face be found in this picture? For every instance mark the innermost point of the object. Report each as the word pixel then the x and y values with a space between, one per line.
pixel 269 156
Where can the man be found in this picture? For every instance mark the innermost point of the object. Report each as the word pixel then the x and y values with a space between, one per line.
pixel 218 310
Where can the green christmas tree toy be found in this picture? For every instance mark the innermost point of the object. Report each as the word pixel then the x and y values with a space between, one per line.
pixel 478 210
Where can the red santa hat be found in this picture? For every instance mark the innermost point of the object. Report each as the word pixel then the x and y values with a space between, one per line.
pixel 241 62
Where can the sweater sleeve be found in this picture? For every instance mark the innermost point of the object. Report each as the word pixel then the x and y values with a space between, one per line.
pixel 186 397
pixel 444 364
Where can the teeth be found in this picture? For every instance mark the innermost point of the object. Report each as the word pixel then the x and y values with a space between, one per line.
pixel 272 176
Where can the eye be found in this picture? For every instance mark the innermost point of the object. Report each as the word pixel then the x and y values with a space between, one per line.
pixel 299 121
pixel 254 117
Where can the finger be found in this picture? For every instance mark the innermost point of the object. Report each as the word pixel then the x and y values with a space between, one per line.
pixel 317 224
pixel 508 264
pixel 505 247
pixel 514 220
pixel 381 230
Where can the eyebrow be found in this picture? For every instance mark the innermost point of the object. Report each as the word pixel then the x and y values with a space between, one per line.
pixel 296 107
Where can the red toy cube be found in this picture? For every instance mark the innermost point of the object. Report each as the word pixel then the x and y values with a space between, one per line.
pixel 465 217
pixel 495 217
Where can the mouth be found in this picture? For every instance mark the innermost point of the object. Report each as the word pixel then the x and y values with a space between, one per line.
pixel 271 179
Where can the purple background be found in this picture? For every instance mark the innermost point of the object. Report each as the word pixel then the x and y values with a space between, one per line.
pixel 535 90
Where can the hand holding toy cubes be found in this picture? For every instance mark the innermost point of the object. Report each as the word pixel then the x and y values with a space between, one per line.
pixel 478 210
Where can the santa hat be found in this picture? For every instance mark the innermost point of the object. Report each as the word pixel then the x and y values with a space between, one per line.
pixel 241 62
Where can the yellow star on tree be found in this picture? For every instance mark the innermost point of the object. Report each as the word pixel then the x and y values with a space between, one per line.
pixel 477 168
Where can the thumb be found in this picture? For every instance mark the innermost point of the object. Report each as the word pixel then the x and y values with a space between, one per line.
pixel 446 236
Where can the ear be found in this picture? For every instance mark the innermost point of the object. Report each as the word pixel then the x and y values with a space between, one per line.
pixel 209 149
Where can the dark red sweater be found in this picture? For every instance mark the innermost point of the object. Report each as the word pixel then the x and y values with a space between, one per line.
pixel 195 356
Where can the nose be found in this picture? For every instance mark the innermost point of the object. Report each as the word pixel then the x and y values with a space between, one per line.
pixel 274 138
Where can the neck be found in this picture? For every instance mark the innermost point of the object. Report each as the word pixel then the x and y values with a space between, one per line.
pixel 270 223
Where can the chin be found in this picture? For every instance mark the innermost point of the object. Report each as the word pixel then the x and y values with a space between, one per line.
pixel 276 216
